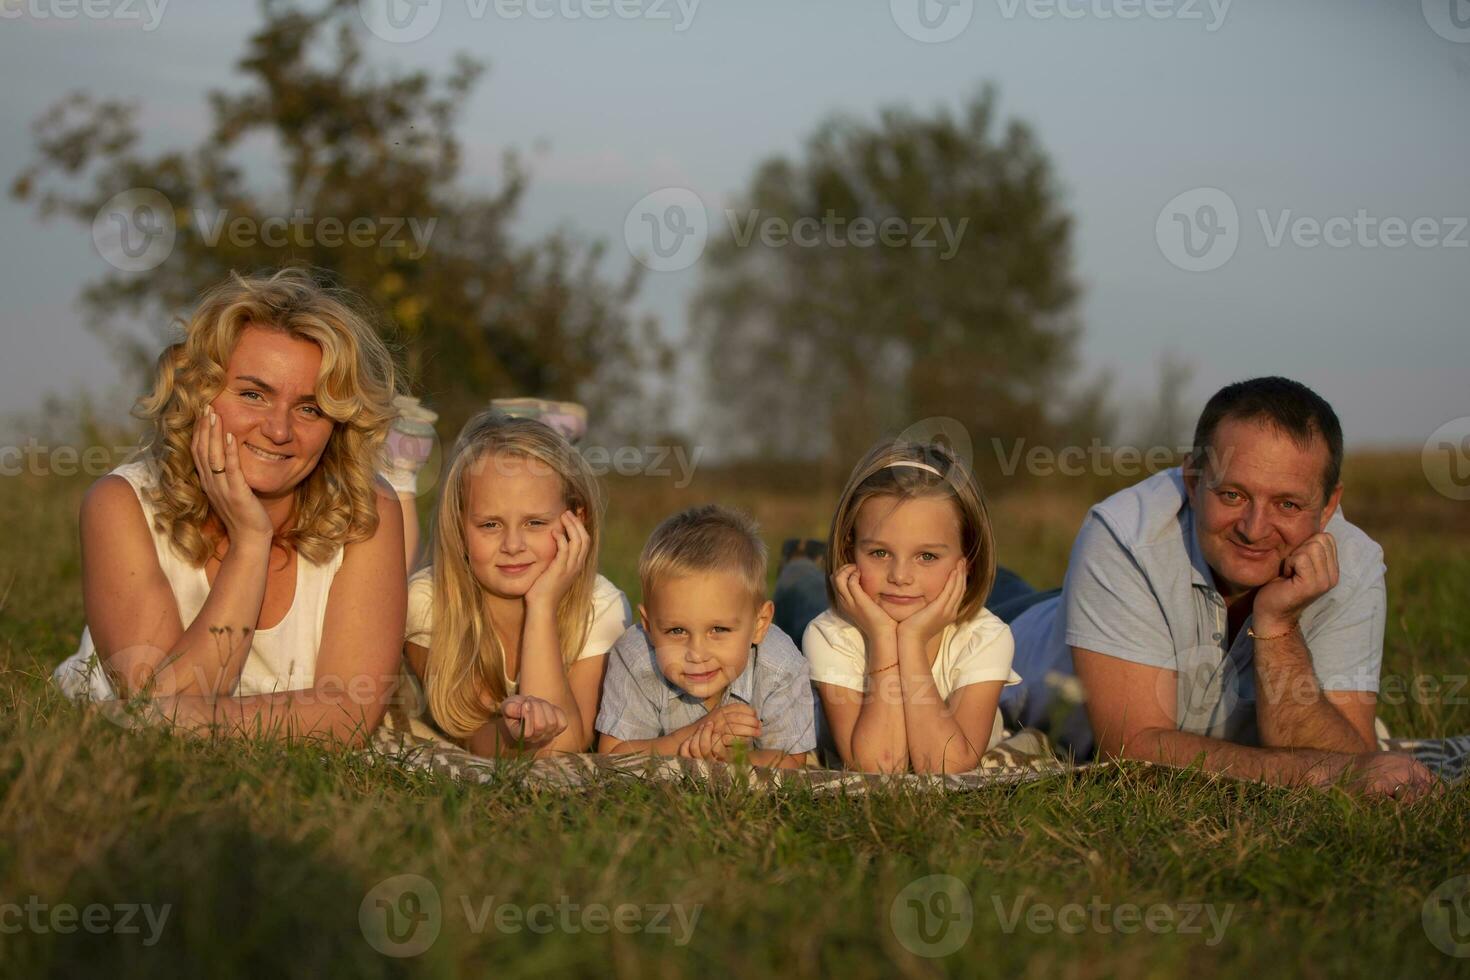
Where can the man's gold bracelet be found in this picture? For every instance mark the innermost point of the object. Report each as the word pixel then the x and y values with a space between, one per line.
pixel 1251 632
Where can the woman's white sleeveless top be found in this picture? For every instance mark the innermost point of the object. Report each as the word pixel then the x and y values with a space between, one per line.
pixel 282 658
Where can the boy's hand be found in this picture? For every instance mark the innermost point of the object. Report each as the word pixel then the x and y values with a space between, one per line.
pixel 939 612
pixel 712 736
pixel 859 607
pixel 531 720
pixel 572 544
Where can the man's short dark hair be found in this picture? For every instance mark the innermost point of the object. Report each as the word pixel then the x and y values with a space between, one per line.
pixel 1289 406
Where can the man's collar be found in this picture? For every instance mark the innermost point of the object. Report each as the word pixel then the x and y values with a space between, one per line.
pixel 1199 569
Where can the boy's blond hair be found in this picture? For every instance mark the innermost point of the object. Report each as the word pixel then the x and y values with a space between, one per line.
pixel 709 538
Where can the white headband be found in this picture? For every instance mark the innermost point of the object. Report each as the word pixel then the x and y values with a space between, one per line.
pixel 915 464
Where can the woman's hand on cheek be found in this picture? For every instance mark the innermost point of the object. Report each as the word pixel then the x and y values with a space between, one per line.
pixel 938 612
pixel 217 461
pixel 858 606
pixel 556 580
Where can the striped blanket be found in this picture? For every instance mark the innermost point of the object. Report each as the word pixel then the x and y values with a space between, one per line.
pixel 1022 757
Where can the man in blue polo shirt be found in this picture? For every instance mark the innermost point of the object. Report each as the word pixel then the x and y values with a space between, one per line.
pixel 1226 613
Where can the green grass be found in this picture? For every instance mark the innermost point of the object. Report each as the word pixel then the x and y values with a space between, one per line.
pixel 265 852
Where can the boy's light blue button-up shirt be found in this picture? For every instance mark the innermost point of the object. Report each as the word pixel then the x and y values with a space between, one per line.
pixel 638 702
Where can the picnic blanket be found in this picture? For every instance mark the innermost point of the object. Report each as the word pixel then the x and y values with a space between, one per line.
pixel 412 745
pixel 1022 757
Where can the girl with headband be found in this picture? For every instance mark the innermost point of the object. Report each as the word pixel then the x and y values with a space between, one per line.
pixel 908 663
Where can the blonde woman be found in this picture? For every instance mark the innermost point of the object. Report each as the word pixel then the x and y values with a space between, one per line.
pixel 509 628
pixel 245 572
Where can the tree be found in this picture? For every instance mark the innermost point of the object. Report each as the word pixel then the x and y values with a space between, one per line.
pixel 477 315
pixel 965 311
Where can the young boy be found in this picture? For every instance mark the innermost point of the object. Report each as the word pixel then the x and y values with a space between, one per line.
pixel 704 669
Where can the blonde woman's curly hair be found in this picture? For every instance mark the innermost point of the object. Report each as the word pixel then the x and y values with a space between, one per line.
pixel 335 504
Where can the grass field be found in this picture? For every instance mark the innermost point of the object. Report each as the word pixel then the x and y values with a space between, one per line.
pixel 262 855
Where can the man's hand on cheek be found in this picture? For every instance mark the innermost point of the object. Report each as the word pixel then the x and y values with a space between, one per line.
pixel 1308 573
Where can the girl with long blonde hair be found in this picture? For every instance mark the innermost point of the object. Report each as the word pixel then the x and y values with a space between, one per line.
pixel 509 628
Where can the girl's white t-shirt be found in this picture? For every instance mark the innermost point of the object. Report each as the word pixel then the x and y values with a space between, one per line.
pixel 611 615
pixel 970 652
pixel 282 658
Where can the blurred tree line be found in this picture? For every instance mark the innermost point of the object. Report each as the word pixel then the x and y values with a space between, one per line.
pixel 476 314
pixel 967 312
pixel 809 353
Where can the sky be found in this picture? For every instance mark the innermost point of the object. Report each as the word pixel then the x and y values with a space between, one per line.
pixel 1258 187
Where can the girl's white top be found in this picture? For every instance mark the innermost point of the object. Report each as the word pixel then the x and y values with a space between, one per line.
pixel 282 658
pixel 970 652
